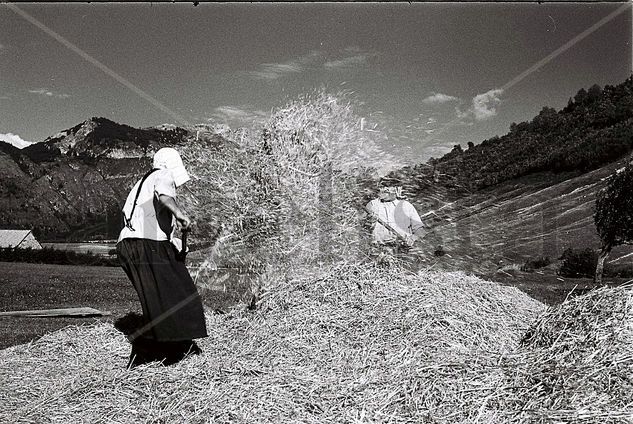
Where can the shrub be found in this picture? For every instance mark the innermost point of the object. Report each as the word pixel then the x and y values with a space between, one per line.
pixel 619 270
pixel 582 263
pixel 578 263
pixel 536 263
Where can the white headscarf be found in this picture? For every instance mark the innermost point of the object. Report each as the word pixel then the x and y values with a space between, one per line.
pixel 168 158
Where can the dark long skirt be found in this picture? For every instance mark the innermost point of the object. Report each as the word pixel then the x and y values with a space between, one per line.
pixel 172 309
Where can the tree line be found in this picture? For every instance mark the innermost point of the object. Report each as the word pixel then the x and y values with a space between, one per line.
pixel 595 128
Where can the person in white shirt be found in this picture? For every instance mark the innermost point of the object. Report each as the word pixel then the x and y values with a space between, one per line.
pixel 396 224
pixel 172 309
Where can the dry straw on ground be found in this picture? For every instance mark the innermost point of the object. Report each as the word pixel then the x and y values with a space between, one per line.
pixel 576 362
pixel 354 344
pixel 351 344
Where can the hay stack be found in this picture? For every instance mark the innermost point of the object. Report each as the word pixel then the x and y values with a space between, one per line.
pixel 576 363
pixel 351 344
pixel 287 194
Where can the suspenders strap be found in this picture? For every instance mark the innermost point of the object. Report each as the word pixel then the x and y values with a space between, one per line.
pixel 127 220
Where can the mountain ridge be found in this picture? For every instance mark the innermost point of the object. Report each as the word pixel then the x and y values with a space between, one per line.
pixel 70 185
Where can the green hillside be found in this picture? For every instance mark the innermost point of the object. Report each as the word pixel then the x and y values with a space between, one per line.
pixel 594 129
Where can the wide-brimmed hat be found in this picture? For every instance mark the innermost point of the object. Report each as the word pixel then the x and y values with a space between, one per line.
pixel 168 158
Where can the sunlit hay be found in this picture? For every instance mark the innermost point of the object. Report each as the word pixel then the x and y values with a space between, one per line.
pixel 318 130
pixel 355 344
pixel 576 362
pixel 489 310
pixel 285 196
pixel 317 152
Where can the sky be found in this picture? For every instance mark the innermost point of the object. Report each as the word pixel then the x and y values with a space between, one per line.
pixel 429 75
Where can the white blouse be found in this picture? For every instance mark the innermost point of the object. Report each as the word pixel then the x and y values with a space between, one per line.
pixel 150 220
pixel 399 214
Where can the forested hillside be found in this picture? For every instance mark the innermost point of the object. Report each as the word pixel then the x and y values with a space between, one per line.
pixel 595 128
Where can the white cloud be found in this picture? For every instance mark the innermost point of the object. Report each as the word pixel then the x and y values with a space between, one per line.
pixel 48 93
pixel 348 62
pixel 436 150
pixel 348 58
pixel 461 114
pixel 351 57
pixel 483 106
pixel 273 71
pixel 439 98
pixel 15 140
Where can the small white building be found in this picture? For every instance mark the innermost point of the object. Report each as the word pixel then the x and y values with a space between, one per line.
pixel 22 239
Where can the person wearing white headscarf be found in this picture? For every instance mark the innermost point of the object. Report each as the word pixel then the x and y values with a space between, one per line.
pixel 172 309
pixel 143 219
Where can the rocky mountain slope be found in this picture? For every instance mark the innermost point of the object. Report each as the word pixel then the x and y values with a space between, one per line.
pixel 72 185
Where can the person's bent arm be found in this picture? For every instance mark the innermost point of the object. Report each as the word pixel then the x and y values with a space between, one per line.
pixel 170 203
pixel 417 226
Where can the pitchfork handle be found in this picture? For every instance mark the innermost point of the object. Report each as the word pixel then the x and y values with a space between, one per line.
pixel 185 231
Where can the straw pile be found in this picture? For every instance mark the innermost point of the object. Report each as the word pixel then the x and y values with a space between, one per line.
pixel 576 363
pixel 353 344
pixel 350 344
pixel 287 194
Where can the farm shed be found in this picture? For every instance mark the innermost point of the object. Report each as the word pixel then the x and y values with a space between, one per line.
pixel 23 239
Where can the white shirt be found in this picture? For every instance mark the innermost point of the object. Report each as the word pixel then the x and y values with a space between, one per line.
pixel 149 220
pixel 399 214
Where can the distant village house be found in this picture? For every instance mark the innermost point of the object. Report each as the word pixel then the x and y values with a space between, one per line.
pixel 22 239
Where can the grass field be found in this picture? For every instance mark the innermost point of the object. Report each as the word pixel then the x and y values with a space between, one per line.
pixel 38 286
pixel 529 217
pixel 87 247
